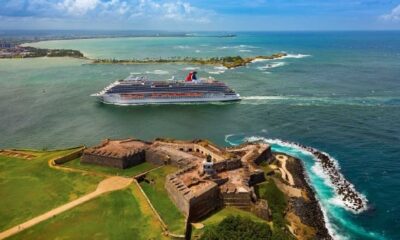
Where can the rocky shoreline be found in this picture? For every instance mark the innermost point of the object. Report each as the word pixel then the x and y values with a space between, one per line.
pixel 307 208
pixel 350 197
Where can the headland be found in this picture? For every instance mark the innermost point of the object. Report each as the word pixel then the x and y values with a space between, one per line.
pixel 184 186
pixel 9 50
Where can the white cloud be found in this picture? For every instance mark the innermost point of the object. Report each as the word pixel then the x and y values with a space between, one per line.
pixel 135 13
pixel 171 10
pixel 394 15
pixel 78 7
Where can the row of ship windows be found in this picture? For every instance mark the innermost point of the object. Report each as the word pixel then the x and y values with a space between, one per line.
pixel 175 97
pixel 169 89
pixel 131 91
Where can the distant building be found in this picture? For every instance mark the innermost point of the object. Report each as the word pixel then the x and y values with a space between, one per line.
pixel 6 45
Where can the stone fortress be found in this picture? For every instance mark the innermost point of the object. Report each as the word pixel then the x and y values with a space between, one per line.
pixel 209 177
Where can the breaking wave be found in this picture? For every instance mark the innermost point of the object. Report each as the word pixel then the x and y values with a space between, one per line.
pixel 272 65
pixel 191 68
pixel 284 57
pixel 182 47
pixel 260 60
pixel 158 72
pixel 237 47
pixel 295 56
pixel 218 70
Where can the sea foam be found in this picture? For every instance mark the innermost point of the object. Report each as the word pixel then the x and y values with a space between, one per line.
pixel 158 72
pixel 295 56
pixel 218 70
pixel 272 65
pixel 350 198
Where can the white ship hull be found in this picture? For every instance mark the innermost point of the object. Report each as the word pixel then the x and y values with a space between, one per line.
pixel 116 99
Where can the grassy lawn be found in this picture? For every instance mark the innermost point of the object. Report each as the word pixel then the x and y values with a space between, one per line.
pixel 159 198
pixel 29 187
pixel 129 172
pixel 116 215
pixel 220 215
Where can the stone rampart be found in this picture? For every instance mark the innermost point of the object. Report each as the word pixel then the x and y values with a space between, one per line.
pixel 179 193
pixel 69 157
pixel 156 157
pixel 264 156
pixel 204 202
pixel 215 153
pixel 237 199
pixel 227 165
pixel 257 177
pixel 193 204
pixel 114 160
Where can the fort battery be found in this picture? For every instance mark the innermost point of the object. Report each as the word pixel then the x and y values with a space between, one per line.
pixel 209 177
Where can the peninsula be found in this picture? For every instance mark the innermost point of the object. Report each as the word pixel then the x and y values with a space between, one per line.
pixel 17 51
pixel 9 50
pixel 171 188
pixel 228 62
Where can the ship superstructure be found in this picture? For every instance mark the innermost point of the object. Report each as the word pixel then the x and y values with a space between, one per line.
pixel 139 91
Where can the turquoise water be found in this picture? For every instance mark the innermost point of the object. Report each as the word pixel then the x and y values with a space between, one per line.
pixel 338 92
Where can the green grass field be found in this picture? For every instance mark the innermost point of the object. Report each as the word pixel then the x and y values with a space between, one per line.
pixel 158 196
pixel 220 215
pixel 117 215
pixel 129 172
pixel 29 188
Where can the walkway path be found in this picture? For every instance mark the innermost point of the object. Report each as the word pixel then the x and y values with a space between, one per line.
pixel 285 173
pixel 107 185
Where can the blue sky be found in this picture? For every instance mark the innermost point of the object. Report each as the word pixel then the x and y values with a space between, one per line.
pixel 201 14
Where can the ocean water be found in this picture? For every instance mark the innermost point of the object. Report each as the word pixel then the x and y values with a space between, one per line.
pixel 338 92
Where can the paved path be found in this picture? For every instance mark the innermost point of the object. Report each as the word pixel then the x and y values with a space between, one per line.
pixel 107 185
pixel 285 173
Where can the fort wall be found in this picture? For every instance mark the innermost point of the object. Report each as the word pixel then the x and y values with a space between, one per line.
pixel 264 156
pixel 215 153
pixel 238 199
pixel 114 160
pixel 193 204
pixel 227 165
pixel 156 157
pixel 204 202
pixel 256 177
pixel 69 157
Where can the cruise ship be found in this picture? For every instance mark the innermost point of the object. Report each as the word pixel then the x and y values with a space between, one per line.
pixel 140 91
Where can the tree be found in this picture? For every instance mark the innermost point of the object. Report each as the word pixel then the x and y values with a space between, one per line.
pixel 237 228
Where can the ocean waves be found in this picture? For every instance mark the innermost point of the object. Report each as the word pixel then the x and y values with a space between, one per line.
pixel 237 47
pixel 218 70
pixel 297 56
pixel 272 65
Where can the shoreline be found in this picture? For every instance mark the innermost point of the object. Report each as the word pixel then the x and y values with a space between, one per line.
pixel 308 209
pixel 352 199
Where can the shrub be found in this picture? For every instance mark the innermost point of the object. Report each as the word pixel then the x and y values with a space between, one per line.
pixel 237 228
